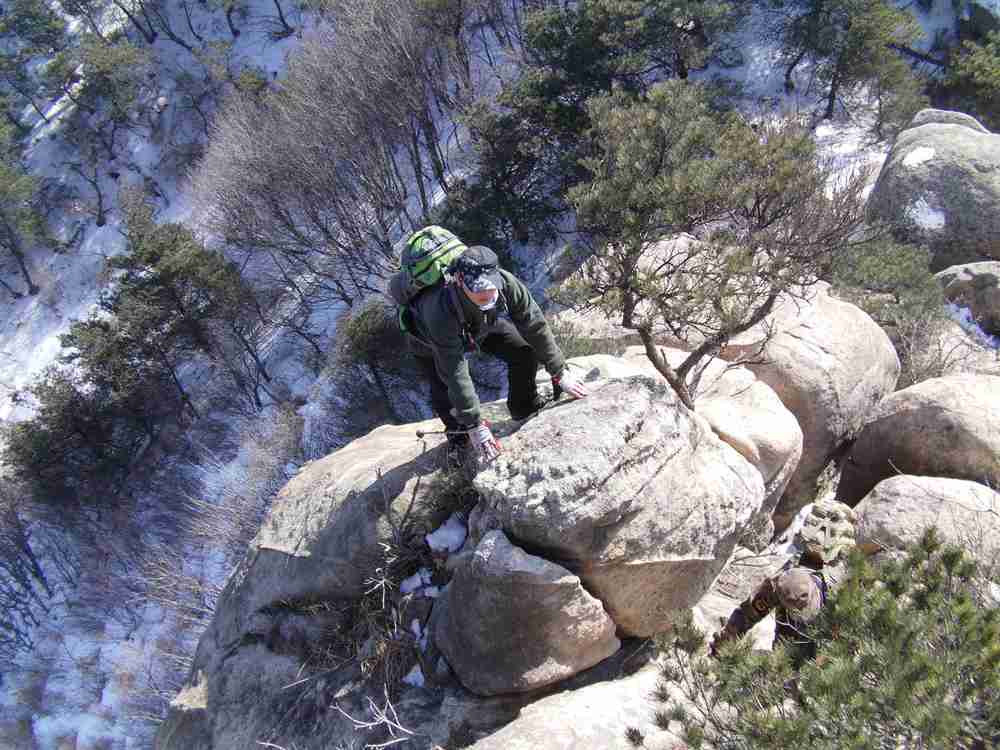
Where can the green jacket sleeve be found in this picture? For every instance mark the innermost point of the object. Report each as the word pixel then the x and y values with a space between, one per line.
pixel 531 324
pixel 444 335
pixel 453 369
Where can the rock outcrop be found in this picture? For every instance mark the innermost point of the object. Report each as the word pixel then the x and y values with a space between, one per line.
pixel 830 364
pixel 977 287
pixel 747 415
pixel 940 187
pixel 946 117
pixel 603 517
pixel 593 718
pixel 943 427
pixel 628 490
pixel 514 622
pixel 896 512
pixel 318 544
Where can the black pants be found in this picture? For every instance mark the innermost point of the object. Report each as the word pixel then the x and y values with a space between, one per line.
pixel 502 341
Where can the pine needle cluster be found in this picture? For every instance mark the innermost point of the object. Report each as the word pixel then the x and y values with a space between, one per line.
pixel 907 656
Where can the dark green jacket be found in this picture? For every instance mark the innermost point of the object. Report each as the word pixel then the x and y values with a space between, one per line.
pixel 440 336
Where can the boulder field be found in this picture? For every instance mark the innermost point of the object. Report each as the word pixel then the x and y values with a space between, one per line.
pixel 602 521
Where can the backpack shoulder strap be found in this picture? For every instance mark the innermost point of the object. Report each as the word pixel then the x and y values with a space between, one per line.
pixel 470 342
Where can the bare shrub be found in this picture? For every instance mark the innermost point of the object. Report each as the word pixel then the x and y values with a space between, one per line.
pixel 892 283
pixel 226 512
pixel 928 348
pixel 149 681
pixel 365 89
pixel 26 592
pixel 370 379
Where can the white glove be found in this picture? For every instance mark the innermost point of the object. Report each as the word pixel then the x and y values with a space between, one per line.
pixel 570 383
pixel 487 445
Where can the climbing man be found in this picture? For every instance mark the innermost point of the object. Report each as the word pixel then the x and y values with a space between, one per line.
pixel 798 592
pixel 467 303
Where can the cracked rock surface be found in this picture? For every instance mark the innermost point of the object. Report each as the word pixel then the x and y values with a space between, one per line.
pixel 628 490
pixel 528 619
pixel 942 427
pixel 830 364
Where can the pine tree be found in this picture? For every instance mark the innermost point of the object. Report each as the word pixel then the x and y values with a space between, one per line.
pixel 529 148
pixel 848 42
pixel 21 225
pixel 29 30
pixel 79 444
pixel 974 79
pixel 758 198
pixel 907 656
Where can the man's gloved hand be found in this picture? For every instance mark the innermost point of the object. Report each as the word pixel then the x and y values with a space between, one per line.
pixel 487 445
pixel 724 635
pixel 567 382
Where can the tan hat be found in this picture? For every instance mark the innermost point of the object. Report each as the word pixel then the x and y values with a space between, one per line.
pixel 799 592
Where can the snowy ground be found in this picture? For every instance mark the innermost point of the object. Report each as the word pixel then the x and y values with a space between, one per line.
pixel 77 689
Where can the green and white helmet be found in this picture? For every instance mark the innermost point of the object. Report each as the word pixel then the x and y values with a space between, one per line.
pixel 828 532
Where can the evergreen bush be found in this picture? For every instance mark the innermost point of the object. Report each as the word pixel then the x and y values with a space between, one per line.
pixel 892 282
pixel 974 79
pixel 907 656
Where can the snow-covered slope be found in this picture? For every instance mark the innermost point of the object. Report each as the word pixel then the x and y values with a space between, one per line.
pixel 95 668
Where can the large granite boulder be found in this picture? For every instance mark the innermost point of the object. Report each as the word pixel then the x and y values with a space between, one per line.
pixel 896 512
pixel 630 491
pixel 943 427
pixel 977 287
pixel 940 187
pixel 592 718
pixel 187 725
pixel 644 491
pixel 515 622
pixel 747 415
pixel 743 411
pixel 328 524
pixel 319 543
pixel 830 364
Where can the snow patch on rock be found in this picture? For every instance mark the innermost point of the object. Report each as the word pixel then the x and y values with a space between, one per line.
pixel 918 156
pixel 925 216
pixel 449 537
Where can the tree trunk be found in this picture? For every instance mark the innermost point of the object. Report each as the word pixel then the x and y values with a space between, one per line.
pixel 187 15
pixel 903 49
pixel 19 126
pixel 28 96
pixel 281 17
pixel 663 367
pixel 148 34
pixel 418 170
pixel 831 99
pixel 164 25
pixel 431 136
pixel 19 257
pixel 14 246
pixel 789 83
pixel 252 352
pixel 10 289
pixel 229 20
pixel 680 66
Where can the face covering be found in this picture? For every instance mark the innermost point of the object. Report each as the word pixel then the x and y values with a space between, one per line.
pixel 483 283
pixel 491 304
